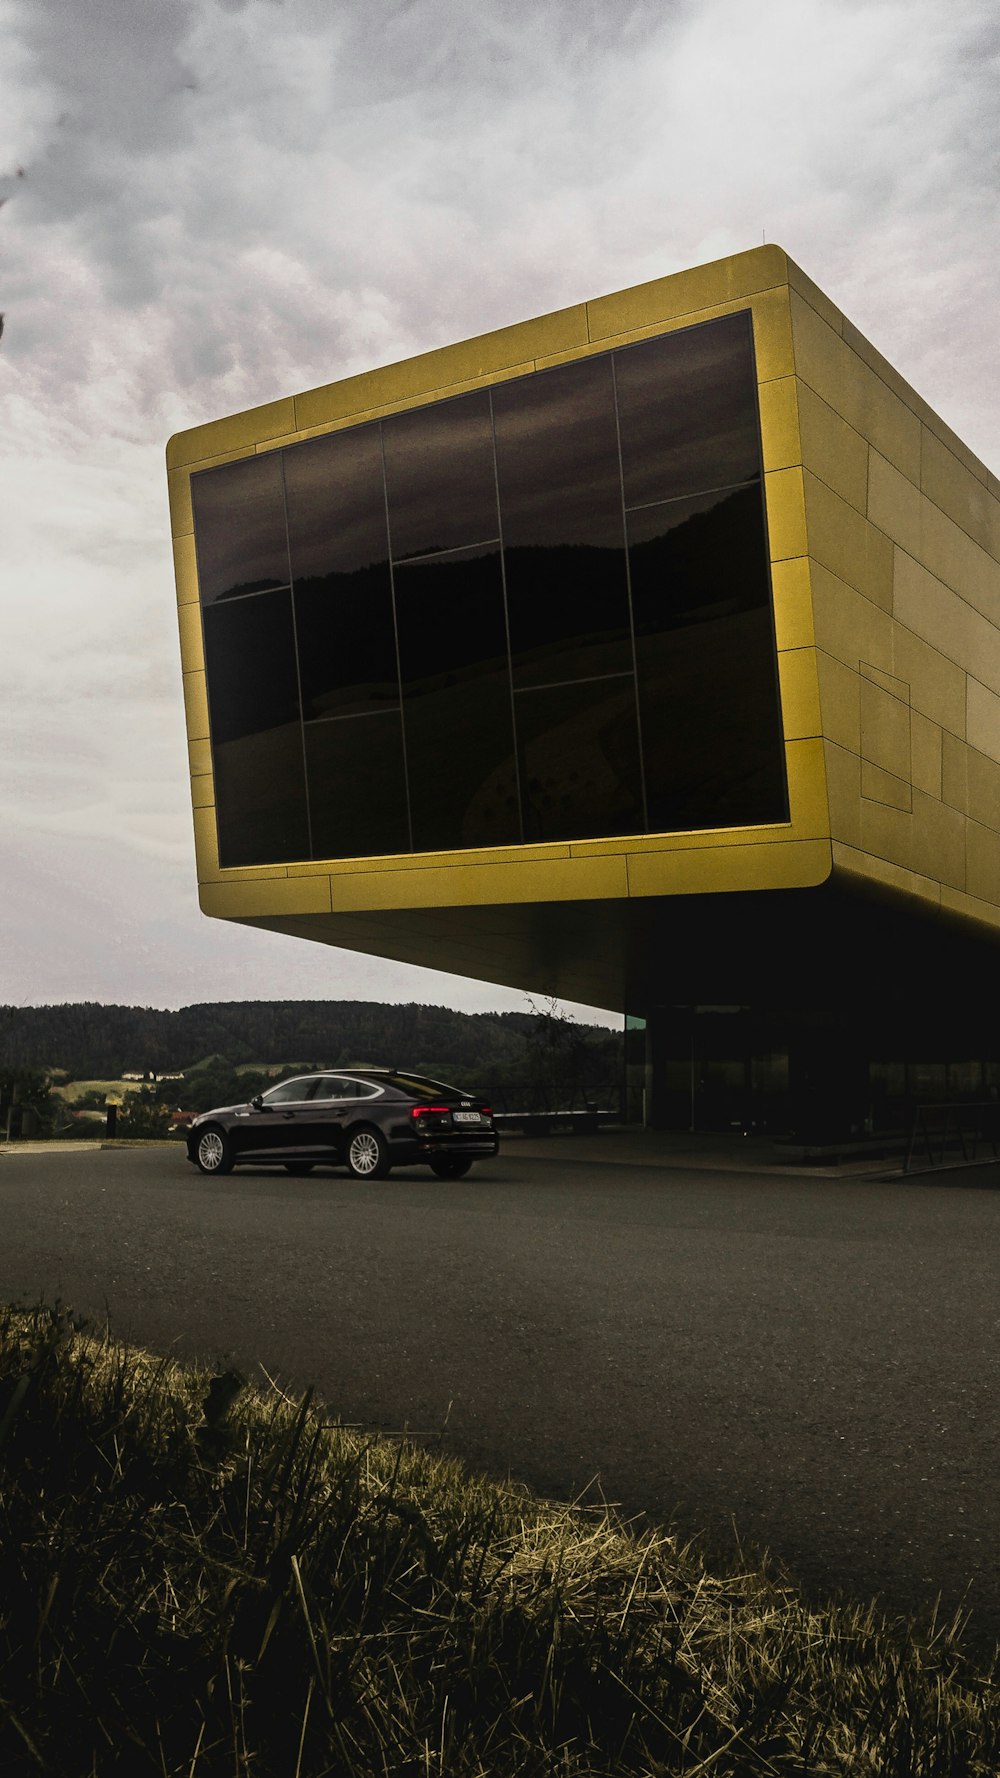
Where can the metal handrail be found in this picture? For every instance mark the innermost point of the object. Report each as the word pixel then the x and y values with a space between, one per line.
pixel 966 1125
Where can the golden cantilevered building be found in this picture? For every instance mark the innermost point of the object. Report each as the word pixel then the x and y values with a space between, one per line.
pixel 645 654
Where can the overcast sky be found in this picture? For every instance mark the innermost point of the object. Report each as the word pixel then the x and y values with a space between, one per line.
pixel 211 203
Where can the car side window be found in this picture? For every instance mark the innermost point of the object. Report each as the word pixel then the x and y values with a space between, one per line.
pixel 333 1087
pixel 290 1092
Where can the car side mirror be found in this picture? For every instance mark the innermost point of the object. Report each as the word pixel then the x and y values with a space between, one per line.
pixel 257 1102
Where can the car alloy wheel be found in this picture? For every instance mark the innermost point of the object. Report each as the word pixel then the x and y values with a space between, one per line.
pixel 366 1155
pixel 212 1152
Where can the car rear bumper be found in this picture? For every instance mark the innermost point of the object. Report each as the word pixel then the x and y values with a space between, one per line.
pixel 464 1147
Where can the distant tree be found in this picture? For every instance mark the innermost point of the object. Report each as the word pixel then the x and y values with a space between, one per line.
pixel 143 1116
pixel 93 1042
pixel 26 1107
pixel 220 1083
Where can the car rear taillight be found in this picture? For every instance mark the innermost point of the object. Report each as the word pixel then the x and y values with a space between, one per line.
pixel 430 1110
pixel 486 1110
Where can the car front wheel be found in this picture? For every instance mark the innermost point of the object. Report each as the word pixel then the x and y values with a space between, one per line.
pixel 368 1154
pixel 448 1166
pixel 213 1151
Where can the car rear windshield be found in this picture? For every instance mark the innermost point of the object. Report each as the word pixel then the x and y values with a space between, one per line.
pixel 419 1088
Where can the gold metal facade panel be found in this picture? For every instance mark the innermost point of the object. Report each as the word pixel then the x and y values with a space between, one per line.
pixel 948 552
pixel 817 299
pixel 179 496
pixel 843 777
pixel 191 639
pixel 897 384
pixel 894 504
pixel 438 373
pixel 950 485
pixel 694 839
pixel 234 900
pixel 799 693
pixel 788 864
pixel 983 719
pixel 772 334
pixel 938 841
pixel 237 433
pixel 196 706
pixel 954 772
pixel 890 377
pixel 879 786
pixel 836 373
pixel 200 757
pixel 887 832
pixel 983 779
pixel 885 729
pixel 847 625
pixel 937 685
pixel 926 754
pixel 843 541
pixel 946 622
pixel 874 868
pixel 185 570
pixel 687 292
pixel 890 682
pixel 840 701
pixel 793 603
pixel 982 861
pixel 786 514
pixel 779 424
pixel 402 403
pixel 481 857
pixel 832 449
pixel 206 843
pixel 810 818
pixel 468 885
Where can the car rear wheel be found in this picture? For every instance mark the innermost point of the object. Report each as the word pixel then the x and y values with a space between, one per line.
pixel 368 1154
pixel 448 1166
pixel 298 1166
pixel 213 1151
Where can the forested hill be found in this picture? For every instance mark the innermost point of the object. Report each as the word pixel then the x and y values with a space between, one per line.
pixel 91 1041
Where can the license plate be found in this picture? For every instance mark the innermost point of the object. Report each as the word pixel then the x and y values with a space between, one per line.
pixel 466 1117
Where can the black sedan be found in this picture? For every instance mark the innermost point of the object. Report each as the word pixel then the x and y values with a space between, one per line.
pixel 367 1119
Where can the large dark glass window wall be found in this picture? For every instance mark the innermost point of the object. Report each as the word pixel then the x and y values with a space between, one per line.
pixel 539 611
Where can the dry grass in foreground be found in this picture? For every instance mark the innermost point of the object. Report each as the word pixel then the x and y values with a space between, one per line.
pixel 198 1579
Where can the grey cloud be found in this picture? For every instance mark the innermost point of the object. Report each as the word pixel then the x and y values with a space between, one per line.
pixel 491 50
pixel 116 65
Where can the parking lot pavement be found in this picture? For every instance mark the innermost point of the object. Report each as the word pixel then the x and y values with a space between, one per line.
pixel 722 1153
pixel 713 1152
pixel 815 1360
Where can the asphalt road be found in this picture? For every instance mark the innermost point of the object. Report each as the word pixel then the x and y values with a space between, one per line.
pixel 814 1361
